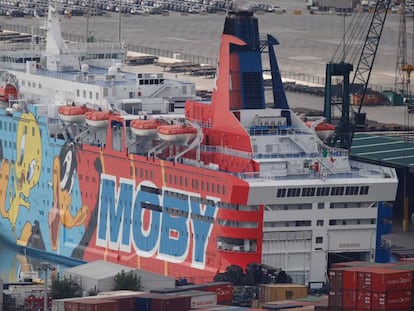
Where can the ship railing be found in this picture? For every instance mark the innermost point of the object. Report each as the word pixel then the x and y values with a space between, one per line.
pixel 8 47
pixel 202 123
pixel 322 174
pixel 98 46
pixel 227 151
pixel 268 130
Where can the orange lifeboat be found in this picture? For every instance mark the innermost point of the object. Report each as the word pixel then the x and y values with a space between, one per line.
pixel 323 129
pixel 147 127
pixel 177 133
pixel 97 118
pixel 72 114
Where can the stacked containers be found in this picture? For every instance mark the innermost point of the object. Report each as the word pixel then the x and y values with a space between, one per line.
pixel 370 288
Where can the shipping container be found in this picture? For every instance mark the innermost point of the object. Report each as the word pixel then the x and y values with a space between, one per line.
pixel 349 299
pixel 364 300
pixel 383 280
pixel 395 300
pixel 336 279
pixel 91 305
pixel 275 292
pixel 170 304
pixel 224 291
pixel 198 298
pixel 350 278
pixel 335 299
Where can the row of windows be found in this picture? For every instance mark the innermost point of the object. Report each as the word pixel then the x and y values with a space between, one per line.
pixel 320 222
pixel 308 206
pixel 322 191
pixel 195 183
pixel 237 224
pixel 31 84
pixel 150 81
pixel 87 94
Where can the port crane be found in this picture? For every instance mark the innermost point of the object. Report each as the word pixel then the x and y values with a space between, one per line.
pixel 339 96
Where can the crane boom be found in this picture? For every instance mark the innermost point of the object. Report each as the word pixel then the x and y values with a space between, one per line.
pixel 348 123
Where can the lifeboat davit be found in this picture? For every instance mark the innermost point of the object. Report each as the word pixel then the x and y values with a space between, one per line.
pixel 72 114
pixel 323 129
pixel 145 128
pixel 177 133
pixel 97 118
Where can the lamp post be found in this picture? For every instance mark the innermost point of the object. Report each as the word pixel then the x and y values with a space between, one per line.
pixel 46 266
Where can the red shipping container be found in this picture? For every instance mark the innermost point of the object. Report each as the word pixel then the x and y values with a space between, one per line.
pixel 349 299
pixel 336 278
pixel 335 299
pixel 397 300
pixel 170 303
pixel 364 300
pixel 95 304
pixel 224 291
pixel 383 280
pixel 364 280
pixel 350 278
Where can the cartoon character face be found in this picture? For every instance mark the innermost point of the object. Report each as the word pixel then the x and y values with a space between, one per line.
pixel 28 156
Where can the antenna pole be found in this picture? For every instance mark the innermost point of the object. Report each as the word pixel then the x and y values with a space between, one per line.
pixel 119 21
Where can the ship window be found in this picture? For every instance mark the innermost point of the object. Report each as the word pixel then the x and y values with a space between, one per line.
pixel 186 181
pixel 364 190
pixel 218 189
pixel 141 172
pixel 84 93
pixel 23 82
pixel 208 186
pixel 224 189
pixel 151 174
pixel 293 192
pixel 323 191
pixel 34 84
pixel 319 240
pixel 202 185
pixel 77 93
pixel 40 86
pixel 150 189
pixel 131 171
pixel 90 95
pixel 175 180
pixel 281 193
pixel 96 95
pixel 181 180
pixel 33 131
pixel 29 84
pixel 213 187
pixel 170 178
pixel 319 222
pixel 146 173
pixel 269 148
pixel 321 205
pixel 308 192
pixel 337 190
pixel 352 190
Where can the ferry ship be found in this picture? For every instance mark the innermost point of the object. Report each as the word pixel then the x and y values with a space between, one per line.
pixel 231 181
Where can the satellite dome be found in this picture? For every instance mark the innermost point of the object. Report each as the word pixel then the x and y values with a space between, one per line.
pixel 84 68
